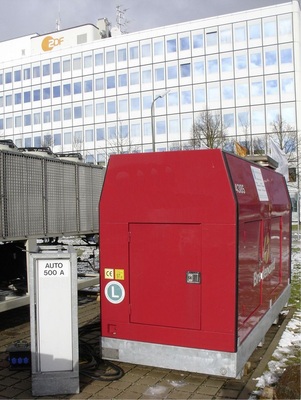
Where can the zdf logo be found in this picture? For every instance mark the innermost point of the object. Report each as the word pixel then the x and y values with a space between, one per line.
pixel 50 42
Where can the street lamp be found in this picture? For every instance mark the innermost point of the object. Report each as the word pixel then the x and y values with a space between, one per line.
pixel 160 96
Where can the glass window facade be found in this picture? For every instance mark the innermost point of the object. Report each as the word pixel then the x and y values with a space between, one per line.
pixel 243 69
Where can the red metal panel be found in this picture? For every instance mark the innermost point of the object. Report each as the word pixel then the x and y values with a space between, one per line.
pixel 160 257
pixel 249 253
pixel 162 214
pixel 262 196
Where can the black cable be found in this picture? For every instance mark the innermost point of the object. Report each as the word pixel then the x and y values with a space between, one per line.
pixel 91 364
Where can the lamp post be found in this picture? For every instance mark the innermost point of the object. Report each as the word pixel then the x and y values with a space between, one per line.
pixel 160 96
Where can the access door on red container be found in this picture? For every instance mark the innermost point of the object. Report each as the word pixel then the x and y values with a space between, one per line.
pixel 165 274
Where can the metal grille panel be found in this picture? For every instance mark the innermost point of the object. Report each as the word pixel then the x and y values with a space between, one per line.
pixel 42 197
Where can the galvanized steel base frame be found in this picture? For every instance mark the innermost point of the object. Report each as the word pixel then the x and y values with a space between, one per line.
pixel 191 359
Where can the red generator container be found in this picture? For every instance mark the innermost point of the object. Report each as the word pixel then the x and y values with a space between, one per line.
pixel 195 259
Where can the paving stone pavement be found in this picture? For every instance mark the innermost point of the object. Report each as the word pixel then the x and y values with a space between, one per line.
pixel 138 382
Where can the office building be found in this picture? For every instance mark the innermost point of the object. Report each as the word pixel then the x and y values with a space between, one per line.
pixel 93 90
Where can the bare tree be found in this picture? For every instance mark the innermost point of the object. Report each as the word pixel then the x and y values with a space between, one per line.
pixel 119 143
pixel 285 136
pixel 287 139
pixel 208 131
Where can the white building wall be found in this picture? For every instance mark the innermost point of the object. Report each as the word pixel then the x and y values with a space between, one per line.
pixel 89 89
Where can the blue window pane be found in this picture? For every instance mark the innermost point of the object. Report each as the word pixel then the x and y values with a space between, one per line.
pixel 17 75
pixel 98 59
pixel 212 66
pixel 198 41
pixel 46 117
pixel 135 104
pixel 36 72
pixel 211 38
pixel 287 85
pixel 227 64
pixel 272 87
pixel 89 135
pixel 160 127
pixel 121 54
pixel 242 91
pixel 99 84
pixel 110 82
pixel 159 74
pixel 57 139
pixel 46 93
pixel 67 114
pixel 56 67
pixel 66 65
pixel 111 107
pixel 240 34
pixel 158 48
pixel 100 134
pixel 67 138
pixel 254 31
pixel 8 100
pixel 172 72
pixel 77 112
pixel 88 86
pixel 228 92
pixel 145 50
pixel 27 142
pixel 256 60
pixel 37 141
pixel 112 132
pixel 185 70
pixel 124 131
pixel 36 95
pixel 26 73
pixel 146 76
pixel 27 119
pixel 229 120
pixel 171 46
pixel 27 97
pixel 256 89
pixel 134 78
pixel 77 87
pixel 147 102
pixel 243 118
pixel 56 115
pixel 186 97
pixel 18 98
pixel 199 95
pixel 56 91
pixel 46 69
pixel 184 43
pixel 286 56
pixel 134 52
pixel 110 57
pixel 8 77
pixel 199 69
pixel 241 62
pixel 122 80
pixel 173 99
pixel 270 57
pixel 269 28
pixel 67 89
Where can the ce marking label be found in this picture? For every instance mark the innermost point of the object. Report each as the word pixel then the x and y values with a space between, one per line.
pixel 109 273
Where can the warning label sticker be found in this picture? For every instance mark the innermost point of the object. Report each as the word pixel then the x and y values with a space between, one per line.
pixel 111 273
pixel 259 183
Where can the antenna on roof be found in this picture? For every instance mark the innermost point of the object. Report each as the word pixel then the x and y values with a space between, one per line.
pixel 58 20
pixel 121 22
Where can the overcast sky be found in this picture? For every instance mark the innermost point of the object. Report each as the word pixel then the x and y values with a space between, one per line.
pixel 24 17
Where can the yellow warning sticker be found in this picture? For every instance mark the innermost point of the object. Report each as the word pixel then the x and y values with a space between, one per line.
pixel 109 273
pixel 119 274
